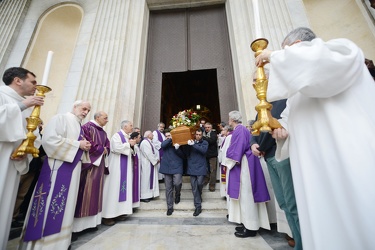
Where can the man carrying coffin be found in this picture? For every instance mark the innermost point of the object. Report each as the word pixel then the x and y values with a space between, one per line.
pixel 49 220
pixel 118 185
pixel 90 194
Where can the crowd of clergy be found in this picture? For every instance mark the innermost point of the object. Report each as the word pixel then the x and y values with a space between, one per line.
pixel 88 179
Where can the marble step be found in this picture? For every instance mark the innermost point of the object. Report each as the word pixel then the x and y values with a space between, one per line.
pixel 188 194
pixel 185 204
pixel 187 186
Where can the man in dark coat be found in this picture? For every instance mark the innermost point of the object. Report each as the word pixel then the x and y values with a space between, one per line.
pixel 172 168
pixel 197 168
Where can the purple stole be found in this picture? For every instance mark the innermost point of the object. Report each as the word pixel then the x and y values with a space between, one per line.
pixel 160 138
pixel 240 146
pixel 124 172
pixel 136 195
pixel 56 210
pixel 152 167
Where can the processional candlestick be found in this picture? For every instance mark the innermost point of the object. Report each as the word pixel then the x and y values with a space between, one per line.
pixel 27 145
pixel 265 121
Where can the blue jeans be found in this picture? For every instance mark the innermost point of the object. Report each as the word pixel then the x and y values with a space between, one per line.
pixel 282 182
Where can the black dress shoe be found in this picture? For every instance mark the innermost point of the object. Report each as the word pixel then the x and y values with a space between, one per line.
pixel 169 211
pixel 177 199
pixel 197 211
pixel 246 233
pixel 240 228
pixel 108 222
pixel 74 237
pixel 121 217
pixel 145 200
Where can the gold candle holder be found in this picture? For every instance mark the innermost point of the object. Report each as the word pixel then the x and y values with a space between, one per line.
pixel 27 145
pixel 265 121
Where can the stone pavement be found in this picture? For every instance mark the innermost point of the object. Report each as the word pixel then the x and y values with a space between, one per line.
pixel 150 228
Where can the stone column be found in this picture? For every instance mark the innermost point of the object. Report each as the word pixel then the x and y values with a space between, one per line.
pixel 11 16
pixel 112 75
pixel 278 17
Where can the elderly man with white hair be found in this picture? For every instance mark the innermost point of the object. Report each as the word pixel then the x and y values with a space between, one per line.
pixel 149 168
pixel 49 221
pixel 247 189
pixel 118 184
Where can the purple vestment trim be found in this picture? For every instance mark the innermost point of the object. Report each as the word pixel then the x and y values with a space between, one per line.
pixel 239 147
pixel 136 195
pixel 234 182
pixel 34 228
pixel 124 172
pixel 160 138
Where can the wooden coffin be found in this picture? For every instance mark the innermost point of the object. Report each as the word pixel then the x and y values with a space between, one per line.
pixel 182 134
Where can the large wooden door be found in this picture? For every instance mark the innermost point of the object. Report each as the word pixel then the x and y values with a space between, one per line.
pixel 194 44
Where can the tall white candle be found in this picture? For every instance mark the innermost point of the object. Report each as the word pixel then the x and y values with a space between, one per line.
pixel 258 29
pixel 47 68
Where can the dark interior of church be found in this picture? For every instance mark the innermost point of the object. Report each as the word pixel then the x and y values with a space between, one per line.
pixel 196 90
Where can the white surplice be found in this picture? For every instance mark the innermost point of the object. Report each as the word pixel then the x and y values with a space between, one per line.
pixel 330 117
pixel 149 157
pixel 13 131
pixel 157 145
pixel 245 210
pixel 61 143
pixel 112 207
pixel 222 155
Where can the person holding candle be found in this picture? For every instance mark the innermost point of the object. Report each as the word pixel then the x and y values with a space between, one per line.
pixel 16 102
pixel 330 92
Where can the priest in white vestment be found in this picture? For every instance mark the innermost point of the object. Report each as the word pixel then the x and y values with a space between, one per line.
pixel 118 184
pixel 222 155
pixel 49 220
pixel 329 133
pixel 149 168
pixel 16 98
pixel 158 138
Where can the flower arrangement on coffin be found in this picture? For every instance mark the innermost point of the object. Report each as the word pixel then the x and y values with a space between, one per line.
pixel 184 126
pixel 186 117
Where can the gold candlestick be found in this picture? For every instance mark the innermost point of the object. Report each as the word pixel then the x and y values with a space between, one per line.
pixel 265 121
pixel 27 145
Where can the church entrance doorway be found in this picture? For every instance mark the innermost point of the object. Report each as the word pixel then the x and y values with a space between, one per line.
pixel 188 64
pixel 196 90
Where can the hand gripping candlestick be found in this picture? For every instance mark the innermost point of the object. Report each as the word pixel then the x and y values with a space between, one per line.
pixel 27 145
pixel 265 121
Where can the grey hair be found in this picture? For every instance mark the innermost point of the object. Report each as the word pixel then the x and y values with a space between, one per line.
pixel 123 123
pixel 235 116
pixel 301 33
pixel 147 133
pixel 98 114
pixel 78 103
pixel 161 123
pixel 228 128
